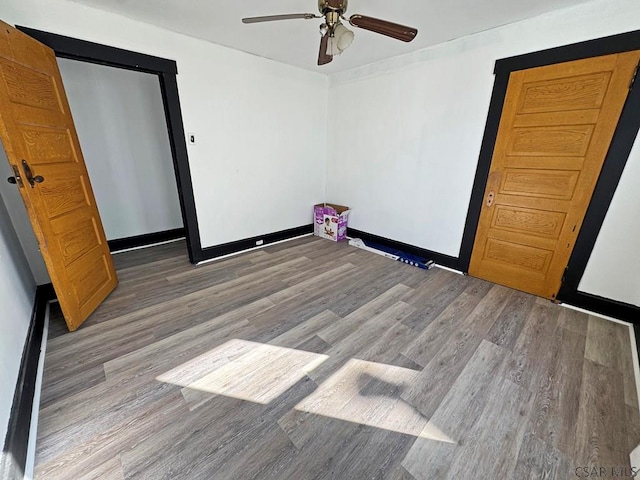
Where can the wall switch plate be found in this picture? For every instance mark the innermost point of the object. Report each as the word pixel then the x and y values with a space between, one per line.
pixel 191 137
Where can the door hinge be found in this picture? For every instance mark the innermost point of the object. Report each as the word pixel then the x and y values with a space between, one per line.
pixel 635 74
pixel 564 274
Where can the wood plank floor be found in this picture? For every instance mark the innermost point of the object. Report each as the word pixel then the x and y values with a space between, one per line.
pixel 315 360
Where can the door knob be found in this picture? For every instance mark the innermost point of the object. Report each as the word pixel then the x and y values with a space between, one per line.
pixel 16 179
pixel 30 178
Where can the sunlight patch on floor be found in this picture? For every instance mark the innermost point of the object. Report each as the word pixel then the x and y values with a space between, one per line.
pixel 361 392
pixel 241 369
pixel 368 393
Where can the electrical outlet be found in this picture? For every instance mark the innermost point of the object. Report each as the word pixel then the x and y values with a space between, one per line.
pixel 259 242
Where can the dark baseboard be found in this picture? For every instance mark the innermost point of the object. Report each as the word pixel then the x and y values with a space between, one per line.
pixel 604 306
pixel 14 453
pixel 209 253
pixel 439 258
pixel 146 239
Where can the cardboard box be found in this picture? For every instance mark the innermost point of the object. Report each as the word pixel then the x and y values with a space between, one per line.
pixel 330 221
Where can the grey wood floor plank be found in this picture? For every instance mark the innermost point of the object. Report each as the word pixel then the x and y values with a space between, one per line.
pixel 352 322
pixel 222 432
pixel 427 344
pixel 358 341
pixel 386 348
pixel 315 268
pixel 314 344
pixel 509 324
pixel 479 288
pixel 526 366
pixel 557 403
pixel 93 354
pixel 538 460
pixel 57 325
pixel 400 473
pixel 124 260
pixel 369 284
pixel 367 453
pixel 110 470
pixel 68 385
pixel 174 350
pixel 437 377
pixel 314 360
pixel 489 309
pixel 493 443
pixel 574 320
pixel 601 435
pixel 123 435
pixel 626 366
pixel 62 426
pixel 449 427
pixel 602 343
pixel 306 286
pixel 401 361
pixel 431 301
pixel 306 330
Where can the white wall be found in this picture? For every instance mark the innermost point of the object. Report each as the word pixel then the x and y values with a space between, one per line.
pixel 17 292
pixel 613 270
pixel 404 148
pixel 119 117
pixel 259 164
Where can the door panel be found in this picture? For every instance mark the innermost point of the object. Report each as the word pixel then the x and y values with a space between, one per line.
pixel 38 135
pixel 555 130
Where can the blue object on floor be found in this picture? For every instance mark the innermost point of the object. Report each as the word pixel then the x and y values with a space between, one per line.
pixel 404 257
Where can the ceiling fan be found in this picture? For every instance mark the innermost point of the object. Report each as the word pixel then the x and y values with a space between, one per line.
pixel 335 36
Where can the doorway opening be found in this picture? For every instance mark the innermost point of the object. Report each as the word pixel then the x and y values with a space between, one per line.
pixel 119 118
pixel 165 70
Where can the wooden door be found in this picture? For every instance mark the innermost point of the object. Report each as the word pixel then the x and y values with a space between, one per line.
pixel 556 126
pixel 40 140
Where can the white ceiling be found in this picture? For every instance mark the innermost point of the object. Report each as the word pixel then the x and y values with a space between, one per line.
pixel 296 42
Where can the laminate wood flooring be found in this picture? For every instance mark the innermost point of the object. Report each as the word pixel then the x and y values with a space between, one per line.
pixel 315 360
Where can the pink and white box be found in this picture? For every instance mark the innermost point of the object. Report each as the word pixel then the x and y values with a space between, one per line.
pixel 330 221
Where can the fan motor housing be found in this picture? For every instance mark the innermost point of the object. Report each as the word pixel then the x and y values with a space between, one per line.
pixel 332 6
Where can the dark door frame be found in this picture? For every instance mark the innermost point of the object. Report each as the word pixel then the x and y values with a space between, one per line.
pixel 615 161
pixel 166 70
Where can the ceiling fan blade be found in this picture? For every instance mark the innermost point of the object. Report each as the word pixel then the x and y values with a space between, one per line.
pixel 323 57
pixel 271 18
pixel 393 30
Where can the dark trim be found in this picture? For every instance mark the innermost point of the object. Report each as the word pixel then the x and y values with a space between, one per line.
pixel 612 169
pixel 623 42
pixel 14 453
pixel 68 47
pixel 145 239
pixel 178 143
pixel 166 70
pixel 605 306
pixel 439 258
pixel 247 243
pixel 482 172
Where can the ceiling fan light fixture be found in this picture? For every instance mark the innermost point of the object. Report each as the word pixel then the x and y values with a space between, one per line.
pixel 335 38
pixel 340 38
pixel 343 37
